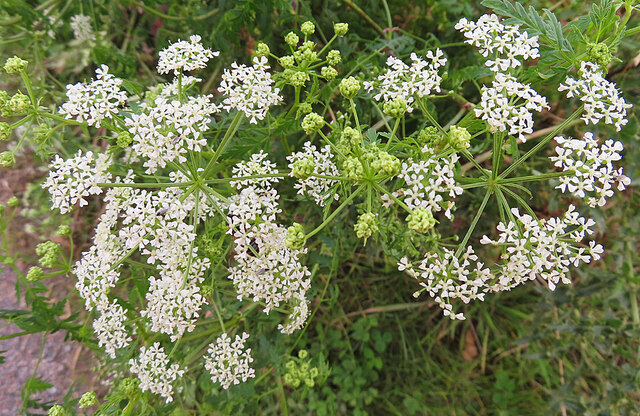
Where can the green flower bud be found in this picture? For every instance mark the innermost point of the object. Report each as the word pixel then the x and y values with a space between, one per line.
pixel 306 54
pixel 385 164
pixel 352 168
pixel 290 366
pixel 262 49
pixel 421 220
pixel 15 65
pixel 328 73
pixel 49 252
pixel 88 399
pixel 298 78
pixel 7 159
pixel 313 372
pixel 340 29
pixel 366 225
pixel 303 168
pixel 350 138
pixel 292 39
pixel 304 108
pixel 429 137
pixel 349 87
pixel 312 122
pixel 296 237
pixel 308 28
pixel 309 382
pixel 13 202
pixel 302 354
pixel 4 98
pixel 5 131
pixel 64 231
pixel 124 139
pixel 600 54
pixel 334 57
pixel 58 410
pixel 206 291
pixel 395 108
pixel 287 61
pixel 459 138
pixel 17 105
pixel 129 386
pixel 34 274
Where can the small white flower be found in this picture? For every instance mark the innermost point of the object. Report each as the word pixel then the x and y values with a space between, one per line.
pixel 249 89
pixel 229 363
pixel 184 56
pixel 318 188
pixel 154 372
pixel 82 28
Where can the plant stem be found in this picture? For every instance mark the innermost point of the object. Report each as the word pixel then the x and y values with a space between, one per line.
pixel 336 212
pixel 473 224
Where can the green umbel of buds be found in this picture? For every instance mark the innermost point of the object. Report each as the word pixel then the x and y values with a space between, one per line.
pixel 459 138
pixel 292 39
pixel 15 65
pixel 296 237
pixel 34 274
pixel 421 220
pixel 340 29
pixel 13 202
pixel 600 54
pixel 64 231
pixel 5 131
pixel 301 371
pixel 206 291
pixel 287 61
pixel 88 399
pixel 262 49
pixel 429 137
pixel 297 78
pixel 395 108
pixel 48 252
pixel 308 28
pixel 7 158
pixel 58 410
pixel 328 73
pixel 129 386
pixel 17 105
pixel 349 87
pixel 312 122
pixel 350 138
pixel 124 139
pixel 334 57
pixel 367 225
pixel 385 164
pixel 352 168
pixel 305 108
pixel 306 52
pixel 303 168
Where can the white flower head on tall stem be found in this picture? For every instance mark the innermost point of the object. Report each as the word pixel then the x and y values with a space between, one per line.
pixel 154 372
pixel 183 56
pixel 249 89
pixel 229 362
pixel 601 97
pixel 96 100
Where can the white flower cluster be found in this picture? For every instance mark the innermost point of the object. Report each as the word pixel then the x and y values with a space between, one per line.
pixel 592 166
pixel 317 187
pixel 165 131
pixel 82 29
pixel 427 181
pixel 542 248
pixel 184 56
pixel 504 42
pixel 154 371
pixel 499 109
pixel 258 164
pixel 70 181
pixel 110 329
pixel 601 98
pixel 403 81
pixel 229 362
pixel 446 277
pixel 297 319
pixel 266 269
pixel 249 89
pixel 94 101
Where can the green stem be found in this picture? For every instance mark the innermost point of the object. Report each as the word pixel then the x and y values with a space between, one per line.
pixel 146 185
pixel 540 144
pixel 534 178
pixel 225 140
pixel 465 240
pixel 335 213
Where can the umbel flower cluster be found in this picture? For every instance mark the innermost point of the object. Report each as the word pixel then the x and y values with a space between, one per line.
pixel 210 233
